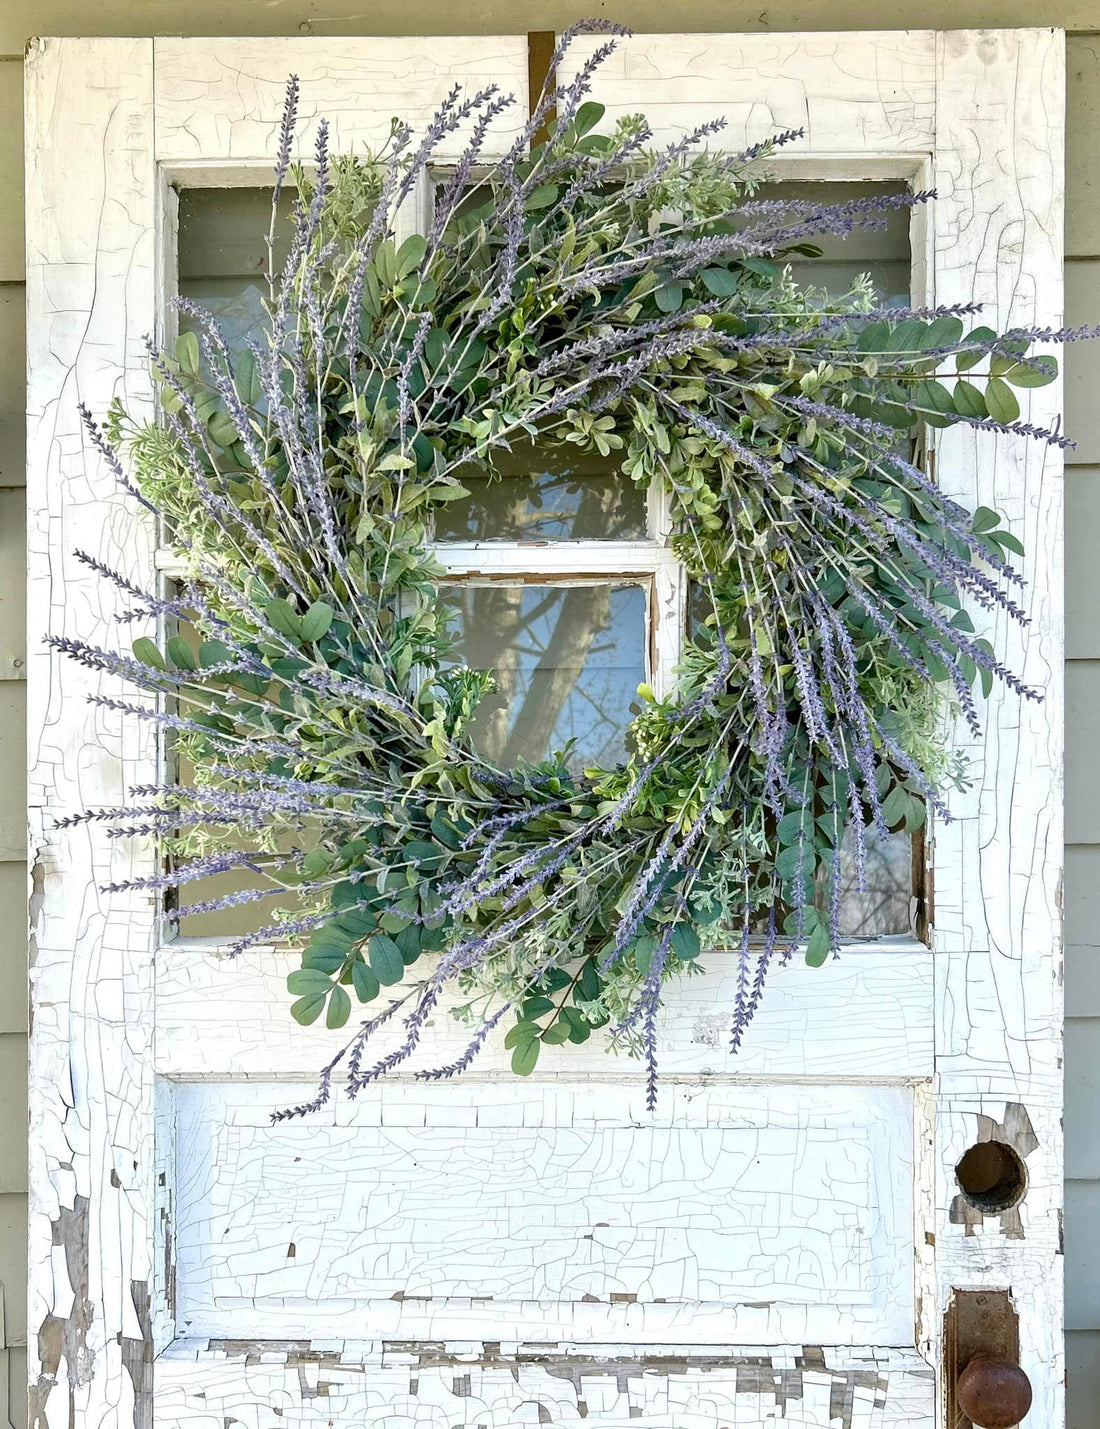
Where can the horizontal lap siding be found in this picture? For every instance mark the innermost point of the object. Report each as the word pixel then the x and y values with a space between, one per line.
pixel 1082 887
pixel 21 18
pixel 13 874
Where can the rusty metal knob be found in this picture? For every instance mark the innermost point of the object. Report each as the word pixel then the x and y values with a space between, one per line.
pixel 993 1393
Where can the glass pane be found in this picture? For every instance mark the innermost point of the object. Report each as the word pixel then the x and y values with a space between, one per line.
pixel 223 265
pixel 567 662
pixel 545 493
pixel 882 908
pixel 223 255
pixel 883 253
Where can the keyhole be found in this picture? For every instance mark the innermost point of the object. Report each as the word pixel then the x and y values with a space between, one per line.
pixel 992 1177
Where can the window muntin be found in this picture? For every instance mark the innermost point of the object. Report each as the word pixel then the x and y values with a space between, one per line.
pixel 554 511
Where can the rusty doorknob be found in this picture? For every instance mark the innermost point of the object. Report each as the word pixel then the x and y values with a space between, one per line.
pixel 993 1393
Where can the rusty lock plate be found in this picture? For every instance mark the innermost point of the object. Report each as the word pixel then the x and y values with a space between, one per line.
pixel 981 1362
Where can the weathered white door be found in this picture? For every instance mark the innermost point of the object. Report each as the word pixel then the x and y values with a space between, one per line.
pixel 780 1242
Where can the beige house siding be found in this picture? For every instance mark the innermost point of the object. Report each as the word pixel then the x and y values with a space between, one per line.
pixel 21 18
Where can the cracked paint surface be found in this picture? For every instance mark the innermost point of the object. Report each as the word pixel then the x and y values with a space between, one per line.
pixel 769 1213
pixel 779 1186
pixel 499 1385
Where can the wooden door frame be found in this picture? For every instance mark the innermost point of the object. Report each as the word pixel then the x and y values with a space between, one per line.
pixel 109 122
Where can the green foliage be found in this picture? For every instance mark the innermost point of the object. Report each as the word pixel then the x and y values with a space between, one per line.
pixel 303 506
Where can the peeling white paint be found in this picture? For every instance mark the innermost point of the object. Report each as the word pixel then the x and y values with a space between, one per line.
pixel 824 1212
pixel 759 1214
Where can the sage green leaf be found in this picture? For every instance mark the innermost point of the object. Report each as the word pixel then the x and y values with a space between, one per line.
pixel 146 651
pixel 181 654
pixel 308 980
pixel 934 395
pixel 318 861
pixel 669 297
pixel 367 987
pixel 323 960
pixel 719 281
pixel 1036 372
pixel 282 617
pixel 410 255
pixel 1009 542
pixel 556 1035
pixel 794 826
pixel 910 335
pixel 187 354
pixel 535 1007
pixel 579 1029
pixel 445 832
pixel 409 940
pixel 587 117
pixel 790 859
pixel 386 961
pixel 968 399
pixel 521 1032
pixel 339 1008
pixel 590 981
pixel 307 1009
pixel 873 338
pixel 214 652
pixel 1000 400
pixel 332 938
pixel 356 922
pixel 221 430
pixel 817 948
pixel 316 621
pixel 895 805
pixel 385 263
pixel 984 519
pixel 525 1055
pixel 427 856
pixel 685 942
pixel 247 381
pixel 643 947
pixel 541 197
pixel 966 360
pixel 944 331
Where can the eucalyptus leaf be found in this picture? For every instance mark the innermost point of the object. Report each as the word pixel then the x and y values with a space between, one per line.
pixel 1000 401
pixel 386 962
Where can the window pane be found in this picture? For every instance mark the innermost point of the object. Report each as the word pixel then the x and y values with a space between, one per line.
pixel 883 906
pixel 223 255
pixel 883 253
pixel 567 662
pixel 545 493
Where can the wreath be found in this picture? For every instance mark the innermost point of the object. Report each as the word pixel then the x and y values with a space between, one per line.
pixel 584 288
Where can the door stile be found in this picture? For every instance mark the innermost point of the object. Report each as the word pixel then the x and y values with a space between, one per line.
pixel 92 275
pixel 998 950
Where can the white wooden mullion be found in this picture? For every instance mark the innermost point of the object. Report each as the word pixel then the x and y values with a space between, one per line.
pixel 548 558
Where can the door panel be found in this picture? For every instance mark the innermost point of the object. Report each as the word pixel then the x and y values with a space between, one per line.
pixel 758 1214
pixel 780 1242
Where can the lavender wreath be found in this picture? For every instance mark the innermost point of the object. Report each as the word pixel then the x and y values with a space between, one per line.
pixel 583 288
